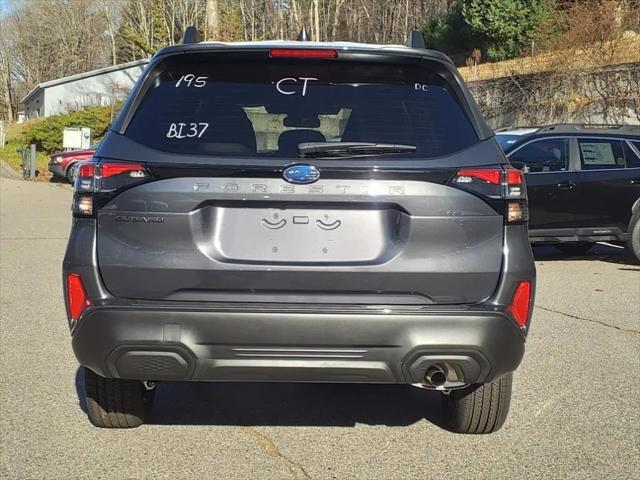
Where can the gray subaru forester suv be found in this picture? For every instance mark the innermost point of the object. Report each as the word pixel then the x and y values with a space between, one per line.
pixel 299 212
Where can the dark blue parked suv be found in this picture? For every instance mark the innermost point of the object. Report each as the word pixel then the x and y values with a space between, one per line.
pixel 583 183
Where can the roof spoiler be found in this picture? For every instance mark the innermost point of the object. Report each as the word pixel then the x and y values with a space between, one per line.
pixel 415 39
pixel 191 35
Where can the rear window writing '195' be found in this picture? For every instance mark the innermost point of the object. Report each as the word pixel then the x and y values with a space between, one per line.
pixel 267 109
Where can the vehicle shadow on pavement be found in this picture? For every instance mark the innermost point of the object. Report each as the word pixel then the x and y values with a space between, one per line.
pixel 54 179
pixel 288 404
pixel 603 253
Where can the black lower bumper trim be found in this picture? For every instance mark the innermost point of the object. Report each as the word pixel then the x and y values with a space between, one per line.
pixel 594 234
pixel 148 343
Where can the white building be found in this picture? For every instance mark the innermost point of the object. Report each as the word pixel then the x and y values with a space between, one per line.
pixel 97 87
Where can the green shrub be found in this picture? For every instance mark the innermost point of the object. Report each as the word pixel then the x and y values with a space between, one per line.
pixel 46 133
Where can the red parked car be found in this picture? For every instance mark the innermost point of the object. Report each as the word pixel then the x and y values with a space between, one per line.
pixel 65 164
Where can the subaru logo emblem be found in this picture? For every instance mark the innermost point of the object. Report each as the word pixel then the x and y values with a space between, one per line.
pixel 301 174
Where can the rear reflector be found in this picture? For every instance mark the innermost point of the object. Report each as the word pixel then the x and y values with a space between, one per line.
pixel 77 300
pixel 519 308
pixel 302 53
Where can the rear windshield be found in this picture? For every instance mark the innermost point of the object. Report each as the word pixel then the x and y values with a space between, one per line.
pixel 200 105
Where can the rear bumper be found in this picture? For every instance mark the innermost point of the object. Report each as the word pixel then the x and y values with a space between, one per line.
pixel 163 342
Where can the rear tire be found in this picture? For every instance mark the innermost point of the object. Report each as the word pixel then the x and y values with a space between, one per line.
pixel 633 245
pixel 577 248
pixel 478 409
pixel 115 403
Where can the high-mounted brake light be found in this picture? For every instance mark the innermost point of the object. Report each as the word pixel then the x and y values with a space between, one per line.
pixel 302 53
pixel 77 300
pixel 521 304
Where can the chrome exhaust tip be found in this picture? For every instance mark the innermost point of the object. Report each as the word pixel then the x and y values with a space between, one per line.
pixel 443 376
pixel 435 377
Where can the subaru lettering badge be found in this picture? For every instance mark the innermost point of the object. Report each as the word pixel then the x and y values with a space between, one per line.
pixel 301 174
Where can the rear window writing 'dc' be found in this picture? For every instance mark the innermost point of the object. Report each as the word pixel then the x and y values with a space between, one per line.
pixel 600 153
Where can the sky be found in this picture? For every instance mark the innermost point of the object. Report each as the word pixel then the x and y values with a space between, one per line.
pixel 6 6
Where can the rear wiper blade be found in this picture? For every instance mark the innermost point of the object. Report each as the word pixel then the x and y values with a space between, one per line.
pixel 346 149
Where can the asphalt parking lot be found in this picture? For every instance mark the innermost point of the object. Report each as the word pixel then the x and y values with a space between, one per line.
pixel 575 411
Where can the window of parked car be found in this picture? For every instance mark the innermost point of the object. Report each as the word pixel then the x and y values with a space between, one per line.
pixel 506 140
pixel 601 154
pixel 632 158
pixel 541 156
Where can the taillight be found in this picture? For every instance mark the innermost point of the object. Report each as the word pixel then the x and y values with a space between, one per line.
pixel 496 183
pixel 487 175
pixel 96 180
pixel 521 304
pixel 514 177
pixel 86 169
pixel 77 300
pixel 302 53
pixel 132 169
pixel 514 184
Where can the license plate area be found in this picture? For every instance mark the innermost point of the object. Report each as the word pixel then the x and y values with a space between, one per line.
pixel 300 235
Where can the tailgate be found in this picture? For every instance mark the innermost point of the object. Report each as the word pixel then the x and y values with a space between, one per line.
pixel 264 240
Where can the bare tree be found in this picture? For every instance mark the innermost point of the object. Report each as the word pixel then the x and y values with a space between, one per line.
pixel 55 38
pixel 213 20
pixel 111 30
pixel 6 87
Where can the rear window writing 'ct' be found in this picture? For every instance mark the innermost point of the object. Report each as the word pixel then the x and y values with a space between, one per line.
pixel 268 108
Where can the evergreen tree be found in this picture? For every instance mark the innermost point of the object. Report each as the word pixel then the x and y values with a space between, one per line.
pixel 503 28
